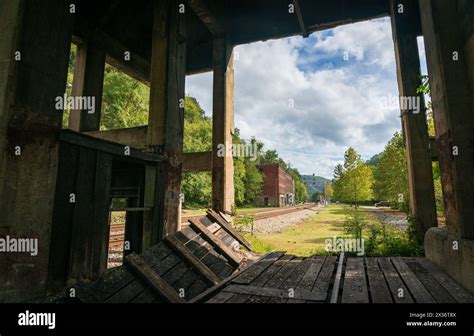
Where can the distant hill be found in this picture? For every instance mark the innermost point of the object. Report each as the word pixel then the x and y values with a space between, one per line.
pixel 374 160
pixel 314 183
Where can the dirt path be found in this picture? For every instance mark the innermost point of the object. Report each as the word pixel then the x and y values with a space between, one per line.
pixel 279 223
pixel 389 217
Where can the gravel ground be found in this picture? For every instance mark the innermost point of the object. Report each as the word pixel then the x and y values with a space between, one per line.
pixel 389 217
pixel 279 223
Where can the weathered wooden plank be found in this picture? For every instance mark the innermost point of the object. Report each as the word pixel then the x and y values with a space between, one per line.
pixel 437 291
pixel 175 273
pixel 100 228
pixel 210 291
pixel 152 279
pixel 323 265
pixel 284 280
pixel 323 280
pixel 270 292
pixel 268 274
pixel 265 278
pixel 398 289
pixel 379 291
pixel 185 282
pixel 337 279
pixel 218 244
pixel 176 245
pixel 355 286
pixel 197 288
pixel 416 288
pixel 222 297
pixel 128 293
pixel 280 277
pixel 148 296
pixel 229 228
pixel 110 147
pixel 455 290
pixel 258 268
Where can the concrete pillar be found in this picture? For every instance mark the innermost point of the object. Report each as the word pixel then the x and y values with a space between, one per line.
pixel 452 98
pixel 166 118
pixel 35 39
pixel 222 127
pixel 405 27
pixel 88 82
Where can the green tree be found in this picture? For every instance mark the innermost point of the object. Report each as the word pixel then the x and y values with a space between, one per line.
pixel 353 180
pixel 390 173
pixel 328 191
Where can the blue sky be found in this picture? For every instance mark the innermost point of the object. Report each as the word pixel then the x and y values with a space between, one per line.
pixel 336 79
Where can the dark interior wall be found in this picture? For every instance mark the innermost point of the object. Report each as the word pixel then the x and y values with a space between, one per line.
pixel 29 122
pixel 80 228
pixel 80 235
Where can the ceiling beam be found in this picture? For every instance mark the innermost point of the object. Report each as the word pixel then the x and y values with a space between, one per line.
pixel 299 14
pixel 207 17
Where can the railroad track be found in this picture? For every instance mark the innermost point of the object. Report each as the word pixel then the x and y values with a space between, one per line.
pixel 117 231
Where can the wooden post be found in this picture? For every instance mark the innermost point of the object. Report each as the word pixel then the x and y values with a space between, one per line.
pixel 222 127
pixel 35 39
pixel 452 97
pixel 405 26
pixel 166 118
pixel 88 82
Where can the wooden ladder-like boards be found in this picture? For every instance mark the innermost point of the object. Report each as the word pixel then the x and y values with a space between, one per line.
pixel 175 270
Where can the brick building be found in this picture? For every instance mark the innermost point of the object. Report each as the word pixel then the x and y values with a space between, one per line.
pixel 278 186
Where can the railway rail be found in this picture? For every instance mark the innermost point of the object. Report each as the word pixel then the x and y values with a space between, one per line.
pixel 117 231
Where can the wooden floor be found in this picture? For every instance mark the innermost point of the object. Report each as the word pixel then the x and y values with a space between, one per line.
pixel 282 278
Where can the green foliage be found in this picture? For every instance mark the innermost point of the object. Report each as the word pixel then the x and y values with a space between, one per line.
pixel 244 223
pixel 328 191
pixel 316 196
pixel 353 180
pixel 125 101
pixel 258 245
pixel 390 174
pixel 354 224
pixel 380 239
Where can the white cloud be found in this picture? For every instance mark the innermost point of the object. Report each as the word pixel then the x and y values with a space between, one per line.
pixel 336 103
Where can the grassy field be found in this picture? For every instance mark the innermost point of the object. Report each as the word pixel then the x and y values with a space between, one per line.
pixel 308 238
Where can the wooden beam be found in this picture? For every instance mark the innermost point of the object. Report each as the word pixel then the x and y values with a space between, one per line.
pixel 197 162
pixel 223 127
pixel 156 283
pixel 452 93
pixel 206 16
pixel 83 140
pixel 88 82
pixel 415 130
pixel 134 136
pixel 433 149
pixel 194 262
pixel 217 243
pixel 166 118
pixel 136 67
pixel 299 14
pixel 229 229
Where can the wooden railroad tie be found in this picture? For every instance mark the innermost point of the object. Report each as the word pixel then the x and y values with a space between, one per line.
pixel 217 243
pixel 183 251
pixel 145 272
